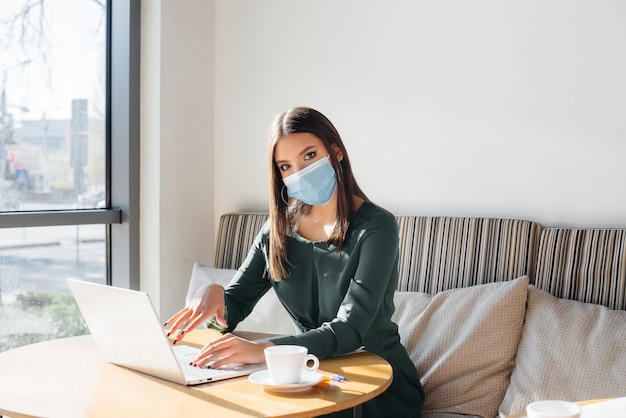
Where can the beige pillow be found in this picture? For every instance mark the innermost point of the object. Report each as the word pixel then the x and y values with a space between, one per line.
pixel 569 350
pixel 463 342
pixel 269 315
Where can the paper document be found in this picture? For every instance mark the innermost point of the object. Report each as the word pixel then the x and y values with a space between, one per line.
pixel 615 408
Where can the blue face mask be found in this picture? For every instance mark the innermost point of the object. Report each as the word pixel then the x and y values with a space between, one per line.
pixel 314 184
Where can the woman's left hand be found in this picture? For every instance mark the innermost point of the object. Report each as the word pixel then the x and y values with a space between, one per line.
pixel 231 350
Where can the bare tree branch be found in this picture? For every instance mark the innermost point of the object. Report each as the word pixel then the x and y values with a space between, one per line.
pixel 28 27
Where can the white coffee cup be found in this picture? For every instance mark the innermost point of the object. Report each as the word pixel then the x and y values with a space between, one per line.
pixel 286 363
pixel 553 409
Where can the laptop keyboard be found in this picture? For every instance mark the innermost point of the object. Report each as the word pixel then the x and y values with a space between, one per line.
pixel 197 372
pixel 185 354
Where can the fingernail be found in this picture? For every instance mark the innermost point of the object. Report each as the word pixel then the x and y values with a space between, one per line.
pixel 182 332
pixel 165 324
pixel 174 342
pixel 168 334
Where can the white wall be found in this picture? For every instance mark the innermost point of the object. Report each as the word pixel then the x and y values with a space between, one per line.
pixel 176 225
pixel 462 108
pixel 469 108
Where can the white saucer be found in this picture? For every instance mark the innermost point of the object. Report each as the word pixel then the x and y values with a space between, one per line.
pixel 262 378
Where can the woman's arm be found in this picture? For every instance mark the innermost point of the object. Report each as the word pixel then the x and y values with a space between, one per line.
pixel 249 284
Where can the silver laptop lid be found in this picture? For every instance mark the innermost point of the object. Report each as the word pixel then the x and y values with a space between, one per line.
pixel 126 329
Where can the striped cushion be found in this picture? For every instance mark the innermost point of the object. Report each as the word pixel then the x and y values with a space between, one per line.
pixel 587 265
pixel 235 236
pixel 436 253
pixel 441 253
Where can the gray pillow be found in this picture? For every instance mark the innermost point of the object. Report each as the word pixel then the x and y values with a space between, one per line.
pixel 269 315
pixel 201 275
pixel 569 350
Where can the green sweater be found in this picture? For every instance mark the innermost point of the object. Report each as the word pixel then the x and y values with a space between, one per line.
pixel 339 301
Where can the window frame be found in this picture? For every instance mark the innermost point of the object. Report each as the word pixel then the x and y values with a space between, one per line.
pixel 121 215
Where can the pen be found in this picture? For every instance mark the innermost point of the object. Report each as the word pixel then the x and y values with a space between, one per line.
pixel 333 376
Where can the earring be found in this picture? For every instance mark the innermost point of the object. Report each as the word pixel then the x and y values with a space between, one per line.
pixel 283 197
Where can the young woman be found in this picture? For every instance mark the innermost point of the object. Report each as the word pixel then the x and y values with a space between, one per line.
pixel 330 254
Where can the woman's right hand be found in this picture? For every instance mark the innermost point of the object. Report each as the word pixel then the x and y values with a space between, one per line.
pixel 206 303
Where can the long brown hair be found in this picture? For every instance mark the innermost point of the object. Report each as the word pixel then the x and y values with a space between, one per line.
pixel 285 212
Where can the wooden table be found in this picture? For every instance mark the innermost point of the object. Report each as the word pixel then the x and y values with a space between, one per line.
pixel 69 378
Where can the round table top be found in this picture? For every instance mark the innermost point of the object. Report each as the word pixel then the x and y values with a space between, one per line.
pixel 69 377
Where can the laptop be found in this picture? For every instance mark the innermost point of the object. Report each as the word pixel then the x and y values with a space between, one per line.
pixel 128 333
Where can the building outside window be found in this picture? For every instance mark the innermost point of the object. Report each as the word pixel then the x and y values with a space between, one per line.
pixel 58 149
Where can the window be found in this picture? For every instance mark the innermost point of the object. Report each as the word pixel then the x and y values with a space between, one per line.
pixel 68 159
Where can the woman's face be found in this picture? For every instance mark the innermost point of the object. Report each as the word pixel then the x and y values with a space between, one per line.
pixel 296 151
